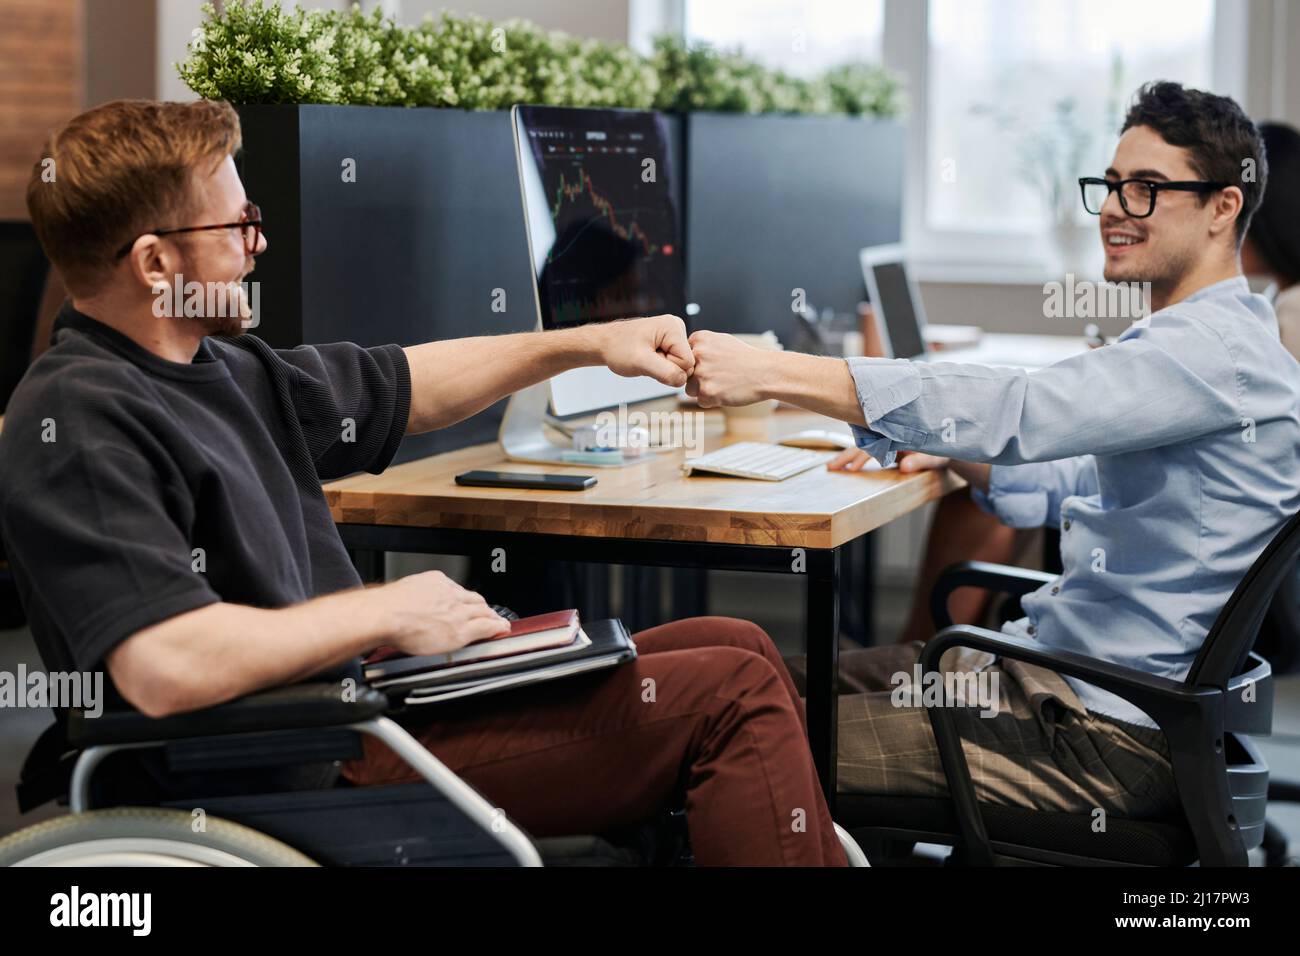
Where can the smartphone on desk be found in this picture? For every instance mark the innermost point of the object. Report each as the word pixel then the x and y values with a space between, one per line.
pixel 525 479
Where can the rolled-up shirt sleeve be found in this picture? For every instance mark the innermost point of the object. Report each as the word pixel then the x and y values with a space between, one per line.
pixel 353 404
pixel 1030 496
pixel 1168 382
pixel 884 385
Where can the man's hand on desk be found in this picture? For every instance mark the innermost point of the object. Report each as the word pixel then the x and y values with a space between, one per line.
pixel 909 462
pixel 654 346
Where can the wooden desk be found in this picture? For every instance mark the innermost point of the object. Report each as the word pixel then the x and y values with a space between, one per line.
pixel 651 514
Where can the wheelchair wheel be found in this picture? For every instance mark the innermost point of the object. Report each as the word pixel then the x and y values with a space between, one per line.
pixel 143 836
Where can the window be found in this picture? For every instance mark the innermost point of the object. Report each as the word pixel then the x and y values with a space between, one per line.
pixel 989 82
pixel 800 37
pixel 1035 92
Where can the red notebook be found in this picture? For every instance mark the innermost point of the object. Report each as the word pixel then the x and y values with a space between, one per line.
pixel 536 633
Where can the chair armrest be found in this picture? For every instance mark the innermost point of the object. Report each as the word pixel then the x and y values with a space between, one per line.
pixel 1186 714
pixel 298 707
pixel 1137 687
pixel 982 574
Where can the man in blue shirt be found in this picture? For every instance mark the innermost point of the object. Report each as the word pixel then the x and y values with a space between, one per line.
pixel 1168 459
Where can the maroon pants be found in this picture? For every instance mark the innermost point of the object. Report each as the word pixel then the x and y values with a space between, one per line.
pixel 706 716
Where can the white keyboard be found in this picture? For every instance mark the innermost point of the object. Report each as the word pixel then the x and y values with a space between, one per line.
pixel 754 459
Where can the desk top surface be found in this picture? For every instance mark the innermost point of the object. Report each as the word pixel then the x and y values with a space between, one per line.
pixel 650 499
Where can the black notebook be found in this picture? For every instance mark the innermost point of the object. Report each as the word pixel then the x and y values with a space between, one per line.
pixel 607 644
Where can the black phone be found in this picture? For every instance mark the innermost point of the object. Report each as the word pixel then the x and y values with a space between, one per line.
pixel 524 479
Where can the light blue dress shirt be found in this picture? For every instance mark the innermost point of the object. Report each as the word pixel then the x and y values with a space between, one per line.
pixel 1168 459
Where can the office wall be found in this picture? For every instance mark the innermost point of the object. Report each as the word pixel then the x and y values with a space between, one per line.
pixel 40 86
pixel 176 22
pixel 1272 71
pixel 121 50
pixel 604 20
pixel 132 46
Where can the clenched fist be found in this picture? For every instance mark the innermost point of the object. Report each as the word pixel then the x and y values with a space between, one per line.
pixel 727 371
pixel 654 346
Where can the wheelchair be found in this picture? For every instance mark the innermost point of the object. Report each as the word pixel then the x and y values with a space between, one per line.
pixel 438 821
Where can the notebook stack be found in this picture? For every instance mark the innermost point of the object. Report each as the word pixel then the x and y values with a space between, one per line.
pixel 536 649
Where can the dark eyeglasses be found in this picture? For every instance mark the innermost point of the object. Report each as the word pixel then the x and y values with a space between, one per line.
pixel 250 225
pixel 1136 196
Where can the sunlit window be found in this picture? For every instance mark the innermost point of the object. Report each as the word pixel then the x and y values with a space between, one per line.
pixel 1025 96
pixel 800 38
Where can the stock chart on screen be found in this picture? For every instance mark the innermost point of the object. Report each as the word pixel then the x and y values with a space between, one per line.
pixel 602 225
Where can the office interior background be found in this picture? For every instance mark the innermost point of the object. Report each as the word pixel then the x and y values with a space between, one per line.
pixel 985 82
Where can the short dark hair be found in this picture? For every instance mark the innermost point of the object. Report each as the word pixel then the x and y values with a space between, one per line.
pixel 1275 230
pixel 1215 131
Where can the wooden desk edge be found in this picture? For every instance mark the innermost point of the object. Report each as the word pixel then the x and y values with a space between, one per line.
pixel 630 522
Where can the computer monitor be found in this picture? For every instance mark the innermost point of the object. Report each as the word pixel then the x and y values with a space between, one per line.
pixel 602 233
pixel 895 301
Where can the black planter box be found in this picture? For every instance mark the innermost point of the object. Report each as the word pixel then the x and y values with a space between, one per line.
pixel 415 248
pixel 778 203
pixel 409 252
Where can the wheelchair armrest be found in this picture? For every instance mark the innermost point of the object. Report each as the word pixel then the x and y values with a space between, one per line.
pixel 982 574
pixel 298 707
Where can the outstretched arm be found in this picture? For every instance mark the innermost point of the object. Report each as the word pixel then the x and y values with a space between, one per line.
pixel 1160 384
pixel 455 378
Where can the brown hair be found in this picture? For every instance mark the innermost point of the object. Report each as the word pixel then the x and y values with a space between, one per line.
pixel 118 171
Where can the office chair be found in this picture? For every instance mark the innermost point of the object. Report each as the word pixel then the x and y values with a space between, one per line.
pixel 1279 644
pixel 1207 718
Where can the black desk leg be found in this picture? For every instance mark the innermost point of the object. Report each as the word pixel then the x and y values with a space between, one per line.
pixel 690 592
pixel 369 565
pixel 641 592
pixel 824 664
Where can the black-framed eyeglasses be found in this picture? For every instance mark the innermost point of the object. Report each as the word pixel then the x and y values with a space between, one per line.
pixel 1136 196
pixel 250 225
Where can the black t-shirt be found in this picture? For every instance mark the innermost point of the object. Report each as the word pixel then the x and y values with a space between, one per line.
pixel 133 488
